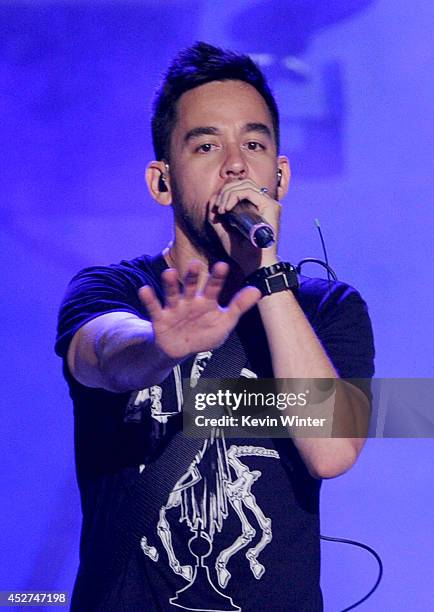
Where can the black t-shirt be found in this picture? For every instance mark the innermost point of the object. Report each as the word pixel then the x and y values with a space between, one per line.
pixel 241 536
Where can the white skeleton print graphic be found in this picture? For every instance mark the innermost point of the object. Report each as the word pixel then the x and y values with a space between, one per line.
pixel 205 511
pixel 217 483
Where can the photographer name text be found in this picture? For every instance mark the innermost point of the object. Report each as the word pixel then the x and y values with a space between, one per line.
pixel 250 421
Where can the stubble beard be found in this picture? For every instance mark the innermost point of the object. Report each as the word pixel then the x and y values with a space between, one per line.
pixel 197 228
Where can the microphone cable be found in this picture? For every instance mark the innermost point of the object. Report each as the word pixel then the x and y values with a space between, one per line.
pixel 331 274
pixel 325 264
pixel 373 553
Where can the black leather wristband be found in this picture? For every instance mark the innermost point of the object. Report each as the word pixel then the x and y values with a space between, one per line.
pixel 281 276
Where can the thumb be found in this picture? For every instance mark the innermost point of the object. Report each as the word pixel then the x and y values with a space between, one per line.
pixel 243 301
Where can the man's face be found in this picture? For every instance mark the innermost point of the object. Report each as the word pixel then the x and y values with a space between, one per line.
pixel 223 133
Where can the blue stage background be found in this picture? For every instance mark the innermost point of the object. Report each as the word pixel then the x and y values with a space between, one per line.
pixel 353 79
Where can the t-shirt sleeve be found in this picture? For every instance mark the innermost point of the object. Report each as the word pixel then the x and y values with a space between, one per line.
pixel 340 319
pixel 92 292
pixel 345 331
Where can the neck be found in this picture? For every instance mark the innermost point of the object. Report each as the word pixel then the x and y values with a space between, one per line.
pixel 180 252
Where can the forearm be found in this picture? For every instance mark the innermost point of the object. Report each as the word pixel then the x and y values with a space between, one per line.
pixel 295 350
pixel 129 358
pixel 118 355
pixel 297 353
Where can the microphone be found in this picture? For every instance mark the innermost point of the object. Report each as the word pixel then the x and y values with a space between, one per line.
pixel 250 225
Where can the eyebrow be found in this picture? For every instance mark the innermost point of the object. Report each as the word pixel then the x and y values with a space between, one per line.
pixel 209 130
pixel 258 127
pixel 200 131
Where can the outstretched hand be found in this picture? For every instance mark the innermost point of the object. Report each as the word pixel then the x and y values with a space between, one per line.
pixel 192 320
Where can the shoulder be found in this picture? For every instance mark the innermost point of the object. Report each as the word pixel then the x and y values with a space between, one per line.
pixel 135 272
pixel 319 290
pixel 320 298
pixel 340 317
pixel 99 290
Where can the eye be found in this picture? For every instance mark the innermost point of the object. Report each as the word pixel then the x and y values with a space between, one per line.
pixel 254 146
pixel 206 147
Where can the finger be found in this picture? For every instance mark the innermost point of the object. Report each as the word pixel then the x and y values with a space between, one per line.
pixel 216 280
pixel 150 301
pixel 220 199
pixel 212 209
pixel 231 198
pixel 253 194
pixel 213 215
pixel 191 280
pixel 171 287
pixel 243 301
pixel 225 197
pixel 234 186
pixel 212 203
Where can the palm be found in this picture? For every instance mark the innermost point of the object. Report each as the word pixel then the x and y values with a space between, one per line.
pixel 191 321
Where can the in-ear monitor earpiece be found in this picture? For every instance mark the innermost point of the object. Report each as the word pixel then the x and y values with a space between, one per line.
pixel 162 187
pixel 279 176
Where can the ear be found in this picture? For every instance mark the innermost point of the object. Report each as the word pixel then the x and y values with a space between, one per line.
pixel 154 172
pixel 283 165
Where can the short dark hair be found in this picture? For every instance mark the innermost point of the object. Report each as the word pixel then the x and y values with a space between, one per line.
pixel 195 66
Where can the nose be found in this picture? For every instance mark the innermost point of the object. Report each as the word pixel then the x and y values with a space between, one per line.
pixel 234 165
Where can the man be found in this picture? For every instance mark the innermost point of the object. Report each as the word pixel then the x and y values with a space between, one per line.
pixel 129 333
